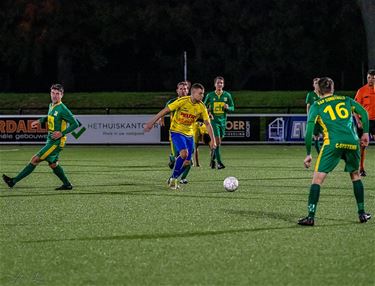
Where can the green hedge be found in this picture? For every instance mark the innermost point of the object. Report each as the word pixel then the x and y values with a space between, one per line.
pixel 150 102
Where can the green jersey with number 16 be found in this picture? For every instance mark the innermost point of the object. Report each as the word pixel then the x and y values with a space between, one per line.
pixel 334 114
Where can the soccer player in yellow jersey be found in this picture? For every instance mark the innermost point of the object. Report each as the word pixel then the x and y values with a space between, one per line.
pixel 186 110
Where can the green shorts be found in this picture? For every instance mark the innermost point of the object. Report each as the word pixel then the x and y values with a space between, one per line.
pixel 219 128
pixel 330 156
pixel 50 152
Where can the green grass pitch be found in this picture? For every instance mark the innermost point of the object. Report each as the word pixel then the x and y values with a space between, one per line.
pixel 121 225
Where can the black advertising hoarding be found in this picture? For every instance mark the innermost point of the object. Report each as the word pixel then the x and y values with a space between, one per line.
pixel 240 128
pixel 17 129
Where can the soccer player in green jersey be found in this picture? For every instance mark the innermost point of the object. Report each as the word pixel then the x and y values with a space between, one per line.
pixel 311 97
pixel 219 103
pixel 57 119
pixel 340 141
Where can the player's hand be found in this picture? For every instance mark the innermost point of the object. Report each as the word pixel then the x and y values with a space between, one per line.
pixel 307 161
pixel 56 135
pixel 161 121
pixel 212 145
pixel 148 126
pixel 35 124
pixel 226 106
pixel 365 140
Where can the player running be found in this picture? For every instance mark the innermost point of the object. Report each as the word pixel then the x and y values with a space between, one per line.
pixel 219 103
pixel 187 110
pixel 57 119
pixel 340 141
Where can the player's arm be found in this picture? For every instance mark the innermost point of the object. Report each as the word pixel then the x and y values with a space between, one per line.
pixel 206 121
pixel 363 115
pixel 161 120
pixel 40 121
pixel 307 108
pixel 206 102
pixel 73 124
pixel 211 133
pixel 308 104
pixel 230 105
pixel 358 98
pixel 309 132
pixel 150 123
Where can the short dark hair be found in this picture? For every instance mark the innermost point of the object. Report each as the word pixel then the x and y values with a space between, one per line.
pixel 217 78
pixel 197 85
pixel 181 83
pixel 371 72
pixel 326 85
pixel 58 87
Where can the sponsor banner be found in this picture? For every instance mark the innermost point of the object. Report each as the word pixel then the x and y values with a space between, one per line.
pixel 239 128
pixel 286 128
pixel 93 129
pixel 128 129
pixel 17 129
pixel 114 129
pixel 242 128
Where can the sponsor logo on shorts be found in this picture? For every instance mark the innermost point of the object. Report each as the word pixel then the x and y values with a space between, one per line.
pixel 346 146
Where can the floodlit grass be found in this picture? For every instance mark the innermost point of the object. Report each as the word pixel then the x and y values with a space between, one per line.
pixel 121 225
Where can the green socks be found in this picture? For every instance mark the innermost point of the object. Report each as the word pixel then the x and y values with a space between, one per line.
pixel 186 172
pixel 313 199
pixel 59 172
pixel 359 195
pixel 217 154
pixel 25 172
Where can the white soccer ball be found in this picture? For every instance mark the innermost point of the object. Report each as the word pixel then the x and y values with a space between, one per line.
pixel 230 184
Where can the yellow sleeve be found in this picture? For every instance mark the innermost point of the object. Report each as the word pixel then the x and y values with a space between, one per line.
pixel 175 104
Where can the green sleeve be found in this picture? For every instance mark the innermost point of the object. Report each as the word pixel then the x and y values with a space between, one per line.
pixel 230 103
pixel 308 100
pixel 313 113
pixel 357 108
pixel 207 99
pixel 43 119
pixel 73 123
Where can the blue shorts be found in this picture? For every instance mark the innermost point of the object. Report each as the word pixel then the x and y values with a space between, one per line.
pixel 181 142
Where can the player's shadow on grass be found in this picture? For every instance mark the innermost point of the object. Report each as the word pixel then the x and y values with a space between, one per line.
pixel 262 215
pixel 150 236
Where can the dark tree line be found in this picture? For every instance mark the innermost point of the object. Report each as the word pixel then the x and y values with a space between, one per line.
pixel 139 45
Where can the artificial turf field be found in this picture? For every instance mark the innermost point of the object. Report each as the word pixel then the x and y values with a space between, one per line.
pixel 121 225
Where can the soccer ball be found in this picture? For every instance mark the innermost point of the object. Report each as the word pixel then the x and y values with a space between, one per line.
pixel 230 184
